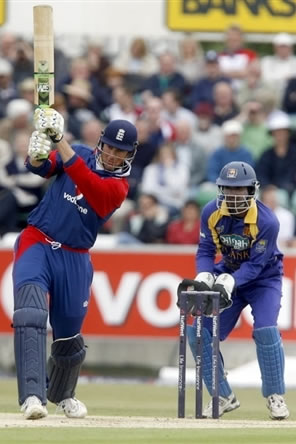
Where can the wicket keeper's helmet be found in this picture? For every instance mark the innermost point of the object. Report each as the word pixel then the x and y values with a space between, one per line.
pixel 120 134
pixel 237 174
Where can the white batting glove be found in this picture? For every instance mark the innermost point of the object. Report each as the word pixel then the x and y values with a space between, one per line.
pixel 50 121
pixel 39 146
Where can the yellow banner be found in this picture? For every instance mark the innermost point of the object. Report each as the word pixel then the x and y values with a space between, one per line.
pixel 260 16
pixel 2 12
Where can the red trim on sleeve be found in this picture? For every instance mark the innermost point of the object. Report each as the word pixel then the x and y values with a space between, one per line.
pixel 104 194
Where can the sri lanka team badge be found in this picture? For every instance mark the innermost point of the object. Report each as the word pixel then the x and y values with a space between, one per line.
pixel 261 245
pixel 232 173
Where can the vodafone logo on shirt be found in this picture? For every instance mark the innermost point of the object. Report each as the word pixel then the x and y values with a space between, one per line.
pixel 74 199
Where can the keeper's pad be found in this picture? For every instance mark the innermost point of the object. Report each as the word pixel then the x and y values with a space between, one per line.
pixel 29 322
pixel 67 356
pixel 224 387
pixel 271 359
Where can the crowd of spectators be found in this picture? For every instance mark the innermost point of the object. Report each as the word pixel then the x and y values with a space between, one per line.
pixel 194 109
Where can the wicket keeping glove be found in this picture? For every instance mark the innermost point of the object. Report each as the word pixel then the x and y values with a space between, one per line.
pixel 48 120
pixel 39 146
pixel 202 282
pixel 224 284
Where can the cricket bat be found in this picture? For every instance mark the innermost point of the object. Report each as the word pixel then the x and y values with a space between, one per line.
pixel 43 56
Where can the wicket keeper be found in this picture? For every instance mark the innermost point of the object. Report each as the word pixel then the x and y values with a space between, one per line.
pixel 244 231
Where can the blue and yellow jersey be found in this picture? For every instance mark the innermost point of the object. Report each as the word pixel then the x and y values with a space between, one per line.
pixel 248 246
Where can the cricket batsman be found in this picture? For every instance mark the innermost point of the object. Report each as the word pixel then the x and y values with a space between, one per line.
pixel 244 231
pixel 52 271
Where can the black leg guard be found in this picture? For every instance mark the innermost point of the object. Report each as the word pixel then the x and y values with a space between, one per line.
pixel 67 356
pixel 29 322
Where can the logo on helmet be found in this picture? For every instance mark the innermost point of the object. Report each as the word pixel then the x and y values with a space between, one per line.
pixel 120 134
pixel 231 173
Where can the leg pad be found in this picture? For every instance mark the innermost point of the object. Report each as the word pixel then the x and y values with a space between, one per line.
pixel 67 356
pixel 271 359
pixel 29 322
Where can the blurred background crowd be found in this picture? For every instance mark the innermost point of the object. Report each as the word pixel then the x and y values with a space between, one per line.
pixel 196 108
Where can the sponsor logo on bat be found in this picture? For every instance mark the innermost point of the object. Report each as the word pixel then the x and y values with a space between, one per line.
pixel 43 88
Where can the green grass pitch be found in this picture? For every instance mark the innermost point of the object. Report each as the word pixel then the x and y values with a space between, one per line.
pixel 149 400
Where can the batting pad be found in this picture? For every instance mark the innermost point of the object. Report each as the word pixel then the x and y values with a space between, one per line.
pixel 67 356
pixel 224 387
pixel 271 359
pixel 29 322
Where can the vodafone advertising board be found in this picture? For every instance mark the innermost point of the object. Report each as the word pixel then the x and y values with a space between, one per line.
pixel 134 295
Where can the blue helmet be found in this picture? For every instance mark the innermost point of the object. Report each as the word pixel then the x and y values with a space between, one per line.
pixel 120 134
pixel 237 175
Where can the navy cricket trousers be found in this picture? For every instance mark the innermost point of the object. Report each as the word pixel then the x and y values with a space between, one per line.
pixel 65 274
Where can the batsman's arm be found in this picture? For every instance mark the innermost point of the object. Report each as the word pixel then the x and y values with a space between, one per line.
pixel 36 163
pixel 112 191
pixel 65 150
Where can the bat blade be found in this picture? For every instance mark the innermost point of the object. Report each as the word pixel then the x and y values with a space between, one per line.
pixel 43 56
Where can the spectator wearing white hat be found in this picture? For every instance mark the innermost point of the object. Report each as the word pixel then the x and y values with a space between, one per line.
pixel 18 117
pixel 279 67
pixel 232 150
pixel 276 166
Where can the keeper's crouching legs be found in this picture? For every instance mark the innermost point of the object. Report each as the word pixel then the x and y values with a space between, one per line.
pixel 227 399
pixel 224 387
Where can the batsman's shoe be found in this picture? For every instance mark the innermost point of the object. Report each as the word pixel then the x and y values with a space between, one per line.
pixel 32 408
pixel 72 408
pixel 277 407
pixel 225 405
